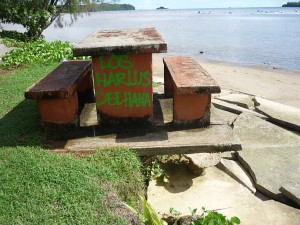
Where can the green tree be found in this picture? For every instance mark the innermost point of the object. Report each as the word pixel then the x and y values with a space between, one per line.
pixel 37 15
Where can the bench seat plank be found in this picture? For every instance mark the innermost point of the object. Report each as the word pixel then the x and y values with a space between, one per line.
pixel 61 82
pixel 189 77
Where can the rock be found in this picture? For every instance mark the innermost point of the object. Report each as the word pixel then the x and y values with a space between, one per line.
pixel 236 171
pixel 241 100
pixel 234 108
pixel 281 114
pixel 216 190
pixel 199 161
pixel 270 153
pixel 292 191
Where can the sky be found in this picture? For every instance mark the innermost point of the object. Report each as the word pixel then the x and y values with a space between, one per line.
pixel 187 4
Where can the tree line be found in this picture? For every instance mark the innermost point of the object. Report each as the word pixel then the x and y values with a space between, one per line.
pixel 37 15
pixel 292 4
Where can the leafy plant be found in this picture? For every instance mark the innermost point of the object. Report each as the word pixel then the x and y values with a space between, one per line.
pixel 158 173
pixel 193 211
pixel 215 218
pixel 39 51
pixel 174 212
pixel 149 215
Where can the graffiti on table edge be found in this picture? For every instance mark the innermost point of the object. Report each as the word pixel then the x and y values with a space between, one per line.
pixel 128 99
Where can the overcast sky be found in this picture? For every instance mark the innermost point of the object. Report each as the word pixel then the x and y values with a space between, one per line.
pixel 186 4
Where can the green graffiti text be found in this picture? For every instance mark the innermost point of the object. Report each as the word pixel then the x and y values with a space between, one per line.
pixel 115 62
pixel 127 99
pixel 129 78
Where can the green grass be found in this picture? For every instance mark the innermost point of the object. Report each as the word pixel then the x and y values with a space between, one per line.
pixel 19 118
pixel 40 187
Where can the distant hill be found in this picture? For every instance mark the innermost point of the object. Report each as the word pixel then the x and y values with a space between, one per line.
pixel 106 7
pixel 292 4
pixel 161 7
pixel 112 7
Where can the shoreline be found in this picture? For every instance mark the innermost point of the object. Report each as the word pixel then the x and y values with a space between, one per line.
pixel 279 85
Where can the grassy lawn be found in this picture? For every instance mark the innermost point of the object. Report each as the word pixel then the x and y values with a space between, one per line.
pixel 40 187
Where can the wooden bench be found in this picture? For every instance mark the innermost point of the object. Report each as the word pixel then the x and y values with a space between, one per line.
pixel 63 92
pixel 191 88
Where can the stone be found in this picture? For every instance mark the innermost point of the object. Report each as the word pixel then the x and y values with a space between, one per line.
pixel 215 190
pixel 270 154
pixel 234 108
pixel 241 100
pixel 236 171
pixel 292 191
pixel 162 142
pixel 199 161
pixel 281 114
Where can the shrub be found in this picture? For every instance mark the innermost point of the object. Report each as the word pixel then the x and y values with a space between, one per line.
pixel 39 51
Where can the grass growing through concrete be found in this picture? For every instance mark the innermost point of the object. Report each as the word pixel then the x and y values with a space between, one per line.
pixel 40 187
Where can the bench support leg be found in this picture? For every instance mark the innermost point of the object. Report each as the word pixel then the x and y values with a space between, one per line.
pixel 59 111
pixel 189 109
pixel 168 83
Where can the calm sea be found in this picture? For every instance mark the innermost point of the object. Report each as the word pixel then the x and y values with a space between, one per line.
pixel 248 36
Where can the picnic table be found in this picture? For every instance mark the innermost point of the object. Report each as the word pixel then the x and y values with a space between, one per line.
pixel 122 71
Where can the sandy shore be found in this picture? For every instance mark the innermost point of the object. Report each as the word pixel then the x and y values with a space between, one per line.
pixel 278 85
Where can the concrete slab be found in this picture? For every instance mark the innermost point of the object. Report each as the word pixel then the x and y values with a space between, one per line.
pixel 234 108
pixel 284 115
pixel 215 190
pixel 241 100
pixel 271 168
pixel 216 138
pixel 237 172
pixel 229 155
pixel 88 116
pixel 270 153
pixel 256 132
pixel 292 191
pixel 226 116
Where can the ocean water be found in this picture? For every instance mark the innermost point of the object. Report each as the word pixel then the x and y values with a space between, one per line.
pixel 247 36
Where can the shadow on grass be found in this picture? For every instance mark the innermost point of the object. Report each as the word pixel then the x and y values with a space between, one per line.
pixel 21 127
